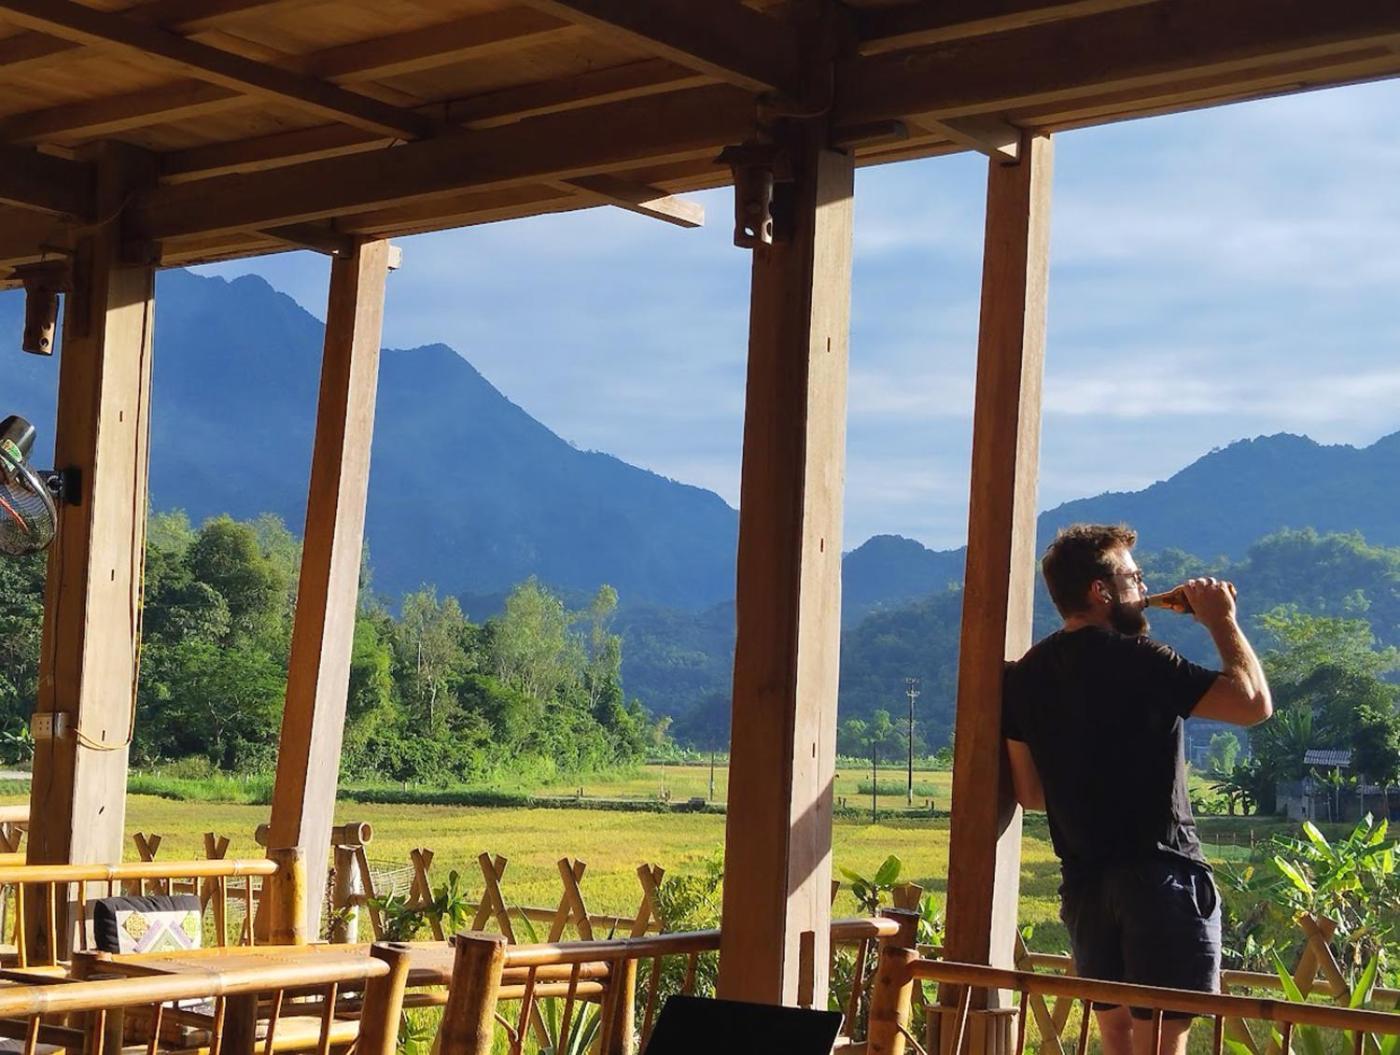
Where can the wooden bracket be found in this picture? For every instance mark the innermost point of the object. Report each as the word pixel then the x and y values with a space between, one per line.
pixel 641 199
pixel 998 139
pixel 758 168
pixel 42 285
pixel 324 238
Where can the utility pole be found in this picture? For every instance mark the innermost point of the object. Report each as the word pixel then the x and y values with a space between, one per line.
pixel 712 773
pixel 874 780
pixel 911 689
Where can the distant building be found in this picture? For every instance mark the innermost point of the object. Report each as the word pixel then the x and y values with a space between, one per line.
pixel 1316 799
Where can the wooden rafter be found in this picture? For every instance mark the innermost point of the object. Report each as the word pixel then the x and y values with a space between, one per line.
pixel 32 48
pixel 923 22
pixel 642 199
pixel 84 25
pixel 722 38
pixel 458 40
pixel 632 81
pixel 561 146
pixel 1136 47
pixel 47 184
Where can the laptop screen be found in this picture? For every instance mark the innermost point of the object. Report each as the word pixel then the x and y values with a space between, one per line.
pixel 693 1024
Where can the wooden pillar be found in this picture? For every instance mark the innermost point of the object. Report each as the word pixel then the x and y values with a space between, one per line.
pixel 985 845
pixel 318 674
pixel 777 893
pixel 92 603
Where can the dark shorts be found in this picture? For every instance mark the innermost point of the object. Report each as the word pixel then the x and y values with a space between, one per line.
pixel 1151 922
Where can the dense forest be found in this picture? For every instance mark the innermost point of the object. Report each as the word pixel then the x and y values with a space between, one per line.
pixel 434 697
pixel 538 686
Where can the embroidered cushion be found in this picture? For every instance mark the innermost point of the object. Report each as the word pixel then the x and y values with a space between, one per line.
pixel 155 923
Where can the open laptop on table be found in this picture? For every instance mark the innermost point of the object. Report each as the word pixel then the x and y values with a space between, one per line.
pixel 693 1024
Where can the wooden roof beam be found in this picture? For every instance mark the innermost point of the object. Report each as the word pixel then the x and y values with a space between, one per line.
pixel 1142 46
pixel 455 41
pixel 84 25
pixel 642 199
pixel 615 84
pixel 721 38
pixel 46 184
pixel 558 146
pixel 923 22
pixel 32 48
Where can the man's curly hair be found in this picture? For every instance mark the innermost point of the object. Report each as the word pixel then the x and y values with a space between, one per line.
pixel 1077 558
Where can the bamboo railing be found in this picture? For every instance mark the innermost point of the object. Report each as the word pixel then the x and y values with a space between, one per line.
pixel 489 971
pixel 901 965
pixel 91 1006
pixel 52 886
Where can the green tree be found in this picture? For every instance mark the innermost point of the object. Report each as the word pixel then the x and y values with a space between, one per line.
pixel 532 648
pixel 432 655
pixel 227 556
pixel 1224 749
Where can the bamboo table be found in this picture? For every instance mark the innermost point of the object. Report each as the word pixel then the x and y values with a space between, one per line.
pixel 430 965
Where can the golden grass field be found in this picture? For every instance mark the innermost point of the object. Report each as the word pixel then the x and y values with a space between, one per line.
pixel 613 843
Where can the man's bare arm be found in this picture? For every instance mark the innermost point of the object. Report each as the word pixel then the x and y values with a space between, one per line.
pixel 1025 778
pixel 1240 695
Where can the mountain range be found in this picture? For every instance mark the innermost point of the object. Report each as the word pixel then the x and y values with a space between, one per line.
pixel 470 493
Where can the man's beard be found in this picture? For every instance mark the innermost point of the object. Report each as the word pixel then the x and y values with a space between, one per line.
pixel 1129 619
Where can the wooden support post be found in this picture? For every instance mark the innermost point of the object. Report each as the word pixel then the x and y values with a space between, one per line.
pixel 285 897
pixel 318 674
pixel 892 995
pixel 379 1024
pixel 620 1029
pixel 778 846
pixel 89 657
pixel 985 840
pixel 469 1020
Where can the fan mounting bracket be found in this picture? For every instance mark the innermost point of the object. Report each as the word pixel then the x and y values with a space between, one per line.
pixel 65 485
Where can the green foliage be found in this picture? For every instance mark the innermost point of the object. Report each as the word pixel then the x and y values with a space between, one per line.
pixel 870 892
pixel 1353 881
pixel 406 919
pixel 433 697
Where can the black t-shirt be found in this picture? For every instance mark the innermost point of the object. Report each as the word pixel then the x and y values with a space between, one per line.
pixel 1102 714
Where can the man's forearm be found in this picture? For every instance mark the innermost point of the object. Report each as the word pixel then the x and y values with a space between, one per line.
pixel 1239 663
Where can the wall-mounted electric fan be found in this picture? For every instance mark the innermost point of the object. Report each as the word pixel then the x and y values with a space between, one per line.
pixel 28 517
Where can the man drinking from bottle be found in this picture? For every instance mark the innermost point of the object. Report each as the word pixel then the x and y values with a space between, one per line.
pixel 1092 717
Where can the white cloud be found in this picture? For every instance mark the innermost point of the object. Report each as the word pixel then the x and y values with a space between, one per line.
pixel 1214 275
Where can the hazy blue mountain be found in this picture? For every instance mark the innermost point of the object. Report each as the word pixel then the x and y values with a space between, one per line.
pixel 890 570
pixel 467 491
pixel 1220 503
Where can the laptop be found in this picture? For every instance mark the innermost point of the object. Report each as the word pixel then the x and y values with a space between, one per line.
pixel 692 1024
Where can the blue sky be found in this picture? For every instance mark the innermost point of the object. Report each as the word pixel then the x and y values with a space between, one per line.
pixel 1214 275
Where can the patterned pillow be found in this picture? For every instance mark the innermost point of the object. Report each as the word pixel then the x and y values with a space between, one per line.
pixel 156 923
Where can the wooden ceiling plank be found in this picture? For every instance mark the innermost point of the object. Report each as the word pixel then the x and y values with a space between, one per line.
pixel 463 39
pixel 642 199
pixel 1139 46
pixel 30 49
pixel 924 22
pixel 721 38
pixel 84 25
pixel 113 114
pixel 615 84
pixel 46 184
pixel 459 40
pixel 561 146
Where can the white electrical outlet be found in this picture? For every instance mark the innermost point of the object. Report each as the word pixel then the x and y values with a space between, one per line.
pixel 48 725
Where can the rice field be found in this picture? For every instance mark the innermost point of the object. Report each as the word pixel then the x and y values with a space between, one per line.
pixel 613 843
